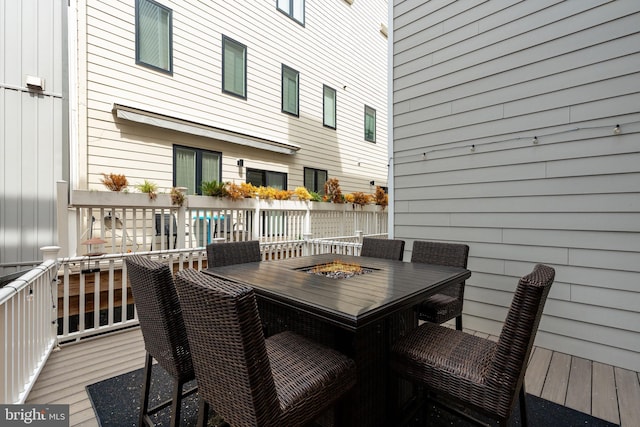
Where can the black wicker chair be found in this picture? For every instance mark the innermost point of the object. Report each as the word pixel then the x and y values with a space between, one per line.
pixel 285 380
pixel 477 373
pixel 221 254
pixel 446 304
pixel 382 248
pixel 163 330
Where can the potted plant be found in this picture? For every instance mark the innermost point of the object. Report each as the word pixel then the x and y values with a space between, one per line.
pixel 148 187
pixel 114 182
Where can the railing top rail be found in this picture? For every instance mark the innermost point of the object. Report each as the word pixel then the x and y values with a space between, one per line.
pixel 12 288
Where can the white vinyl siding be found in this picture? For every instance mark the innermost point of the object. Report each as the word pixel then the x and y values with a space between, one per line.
pixel 194 92
pixel 504 118
pixel 153 35
pixel 234 67
pixel 329 105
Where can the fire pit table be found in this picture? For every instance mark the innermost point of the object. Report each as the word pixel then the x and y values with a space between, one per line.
pixel 361 315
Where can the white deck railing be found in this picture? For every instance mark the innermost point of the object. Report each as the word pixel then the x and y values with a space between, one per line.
pixel 27 329
pixel 133 223
pixel 74 298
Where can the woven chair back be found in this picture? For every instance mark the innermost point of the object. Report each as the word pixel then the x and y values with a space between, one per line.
pixel 442 253
pixel 160 315
pixel 229 351
pixel 229 253
pixel 382 248
pixel 507 370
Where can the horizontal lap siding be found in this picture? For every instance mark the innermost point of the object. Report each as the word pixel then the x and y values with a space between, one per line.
pixel 340 46
pixel 474 83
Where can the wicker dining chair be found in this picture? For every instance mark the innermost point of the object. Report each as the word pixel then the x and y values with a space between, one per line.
pixel 228 253
pixel 163 331
pixel 382 248
pixel 284 380
pixel 477 373
pixel 446 304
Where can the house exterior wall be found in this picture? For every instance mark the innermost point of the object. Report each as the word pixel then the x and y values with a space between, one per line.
pixel 340 46
pixel 503 122
pixel 31 128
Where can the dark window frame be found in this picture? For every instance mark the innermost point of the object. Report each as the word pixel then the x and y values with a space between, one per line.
pixel 290 14
pixel 264 173
pixel 199 152
pixel 366 137
pixel 318 188
pixel 137 36
pixel 297 113
pixel 335 107
pixel 237 43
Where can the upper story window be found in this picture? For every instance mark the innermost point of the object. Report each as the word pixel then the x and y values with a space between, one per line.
pixel 369 124
pixel 292 8
pixel 329 107
pixel 192 166
pixel 314 180
pixel 154 35
pixel 265 178
pixel 234 67
pixel 290 84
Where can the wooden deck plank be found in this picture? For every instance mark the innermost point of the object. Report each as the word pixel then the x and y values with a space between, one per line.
pixel 628 388
pixel 579 387
pixel 604 400
pixel 118 353
pixel 555 385
pixel 537 371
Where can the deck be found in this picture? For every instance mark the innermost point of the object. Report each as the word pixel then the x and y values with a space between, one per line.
pixel 604 391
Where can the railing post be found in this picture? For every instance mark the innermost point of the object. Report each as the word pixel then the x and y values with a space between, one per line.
pixel 306 247
pixel 50 252
pixel 359 234
pixel 255 230
pixel 62 212
pixel 182 227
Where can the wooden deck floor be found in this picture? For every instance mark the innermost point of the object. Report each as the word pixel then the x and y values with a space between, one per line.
pixel 604 391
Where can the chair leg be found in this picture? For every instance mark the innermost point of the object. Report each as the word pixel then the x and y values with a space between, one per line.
pixel 523 407
pixel 459 322
pixel 203 413
pixel 146 384
pixel 176 405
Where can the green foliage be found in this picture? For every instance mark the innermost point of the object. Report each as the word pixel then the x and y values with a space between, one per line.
pixel 148 187
pixel 213 188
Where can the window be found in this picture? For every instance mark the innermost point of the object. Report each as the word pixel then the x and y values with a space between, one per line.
pixel 192 166
pixel 290 81
pixel 369 124
pixel 234 67
pixel 153 35
pixel 265 178
pixel 329 107
pixel 314 180
pixel 292 8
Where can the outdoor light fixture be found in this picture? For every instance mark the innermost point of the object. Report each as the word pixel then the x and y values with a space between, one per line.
pixel 372 183
pixel 241 162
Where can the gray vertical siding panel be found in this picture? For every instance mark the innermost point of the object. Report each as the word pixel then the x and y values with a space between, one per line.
pixel 31 128
pixel 473 86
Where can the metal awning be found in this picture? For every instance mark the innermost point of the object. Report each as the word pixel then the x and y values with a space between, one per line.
pixel 167 122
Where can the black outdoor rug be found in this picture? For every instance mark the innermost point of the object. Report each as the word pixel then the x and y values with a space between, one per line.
pixel 116 402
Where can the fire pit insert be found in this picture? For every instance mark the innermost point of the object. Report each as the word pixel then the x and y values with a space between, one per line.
pixel 337 270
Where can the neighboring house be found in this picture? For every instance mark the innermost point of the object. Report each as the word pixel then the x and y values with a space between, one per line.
pixel 278 93
pixel 516 129
pixel 33 131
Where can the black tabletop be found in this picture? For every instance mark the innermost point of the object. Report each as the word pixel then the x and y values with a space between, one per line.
pixel 349 302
